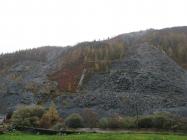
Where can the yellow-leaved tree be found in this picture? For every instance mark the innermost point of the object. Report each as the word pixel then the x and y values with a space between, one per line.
pixel 50 118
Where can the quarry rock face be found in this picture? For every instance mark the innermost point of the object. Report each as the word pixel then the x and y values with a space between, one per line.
pixel 148 76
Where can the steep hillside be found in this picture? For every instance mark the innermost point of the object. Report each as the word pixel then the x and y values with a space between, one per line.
pixel 146 77
pixel 89 57
pixel 173 41
pixel 145 69
pixel 24 76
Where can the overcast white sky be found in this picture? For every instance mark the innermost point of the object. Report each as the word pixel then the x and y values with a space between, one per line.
pixel 35 23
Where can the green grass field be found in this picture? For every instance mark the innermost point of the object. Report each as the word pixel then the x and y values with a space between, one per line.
pixel 91 136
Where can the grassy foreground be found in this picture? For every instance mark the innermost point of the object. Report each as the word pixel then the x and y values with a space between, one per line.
pixel 90 136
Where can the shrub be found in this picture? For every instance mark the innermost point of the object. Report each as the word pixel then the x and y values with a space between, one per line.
pixel 163 120
pixel 103 123
pixel 115 122
pixel 158 120
pixel 129 122
pixel 59 126
pixel 74 121
pixel 27 116
pixel 50 118
pixel 145 122
pixel 182 124
pixel 89 118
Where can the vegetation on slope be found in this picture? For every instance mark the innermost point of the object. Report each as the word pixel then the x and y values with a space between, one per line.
pixel 173 41
pixel 97 56
pixel 89 56
pixel 36 116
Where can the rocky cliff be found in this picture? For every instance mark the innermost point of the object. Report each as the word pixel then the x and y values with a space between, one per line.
pixel 144 71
